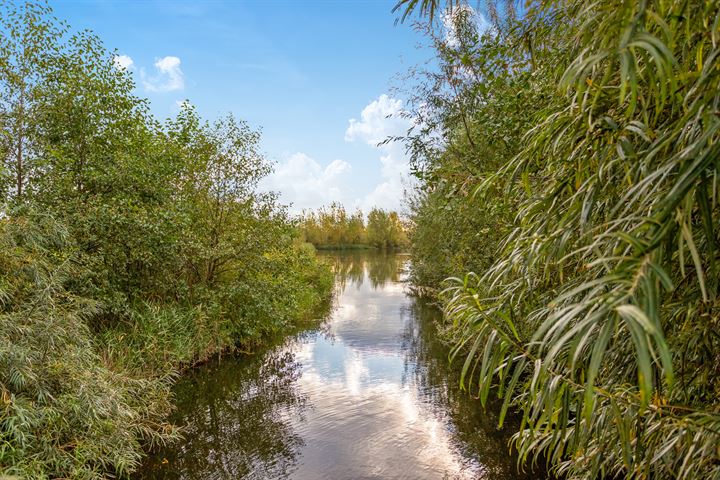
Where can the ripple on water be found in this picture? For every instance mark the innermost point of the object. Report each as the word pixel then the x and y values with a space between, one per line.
pixel 367 396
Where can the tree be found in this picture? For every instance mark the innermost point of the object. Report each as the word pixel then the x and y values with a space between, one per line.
pixel 384 229
pixel 222 166
pixel 356 229
pixel 27 54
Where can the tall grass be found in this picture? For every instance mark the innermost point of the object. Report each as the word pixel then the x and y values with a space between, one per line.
pixel 598 317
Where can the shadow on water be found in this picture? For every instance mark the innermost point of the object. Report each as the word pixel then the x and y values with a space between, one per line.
pixel 367 395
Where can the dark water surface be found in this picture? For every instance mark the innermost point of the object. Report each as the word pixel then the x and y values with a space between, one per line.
pixel 366 395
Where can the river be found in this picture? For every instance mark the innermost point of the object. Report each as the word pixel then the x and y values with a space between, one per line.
pixel 367 394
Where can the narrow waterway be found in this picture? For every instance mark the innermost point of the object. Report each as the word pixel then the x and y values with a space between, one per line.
pixel 366 395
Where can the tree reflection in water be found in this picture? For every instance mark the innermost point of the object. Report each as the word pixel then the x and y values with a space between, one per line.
pixel 237 416
pixel 369 394
pixel 350 266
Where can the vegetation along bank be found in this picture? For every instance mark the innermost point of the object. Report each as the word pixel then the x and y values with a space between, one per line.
pixel 128 248
pixel 568 155
pixel 332 228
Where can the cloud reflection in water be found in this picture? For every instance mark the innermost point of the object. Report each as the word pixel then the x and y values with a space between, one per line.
pixel 369 395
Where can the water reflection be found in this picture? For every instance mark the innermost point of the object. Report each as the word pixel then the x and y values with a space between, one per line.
pixel 219 404
pixel 369 395
pixel 380 268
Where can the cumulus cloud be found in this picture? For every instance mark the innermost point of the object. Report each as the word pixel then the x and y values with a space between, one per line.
pixel 379 120
pixel 123 62
pixel 168 76
pixel 395 179
pixel 305 183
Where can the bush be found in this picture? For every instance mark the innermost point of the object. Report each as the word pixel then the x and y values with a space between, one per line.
pixel 589 130
pixel 65 410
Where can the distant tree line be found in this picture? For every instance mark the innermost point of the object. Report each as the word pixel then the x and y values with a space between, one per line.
pixel 333 227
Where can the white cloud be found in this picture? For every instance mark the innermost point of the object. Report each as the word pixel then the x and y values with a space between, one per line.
pixel 305 183
pixel 378 120
pixel 169 77
pixel 123 62
pixel 395 179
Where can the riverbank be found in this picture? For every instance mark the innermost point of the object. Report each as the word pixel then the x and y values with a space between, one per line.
pixel 358 247
pixel 367 393
pixel 344 246
pixel 83 398
pixel 169 338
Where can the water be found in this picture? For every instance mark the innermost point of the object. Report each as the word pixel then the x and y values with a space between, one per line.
pixel 367 395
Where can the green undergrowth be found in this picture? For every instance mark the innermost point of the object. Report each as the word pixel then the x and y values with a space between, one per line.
pixel 78 400
pixel 166 337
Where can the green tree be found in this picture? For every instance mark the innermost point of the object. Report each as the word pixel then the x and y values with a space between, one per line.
pixel 356 234
pixel 385 230
pixel 27 53
pixel 221 167
pixel 130 248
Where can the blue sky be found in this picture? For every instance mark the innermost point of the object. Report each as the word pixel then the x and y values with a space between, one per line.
pixel 300 70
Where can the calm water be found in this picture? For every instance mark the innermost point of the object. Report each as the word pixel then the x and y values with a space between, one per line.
pixel 367 395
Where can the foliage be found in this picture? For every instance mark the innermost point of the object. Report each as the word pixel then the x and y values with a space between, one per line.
pixel 385 230
pixel 472 113
pixel 130 249
pixel 334 228
pixel 286 288
pixel 597 316
pixel 64 409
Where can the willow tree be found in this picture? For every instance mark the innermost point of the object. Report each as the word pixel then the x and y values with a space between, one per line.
pixel 599 318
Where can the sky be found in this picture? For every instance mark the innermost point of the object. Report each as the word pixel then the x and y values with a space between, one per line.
pixel 315 76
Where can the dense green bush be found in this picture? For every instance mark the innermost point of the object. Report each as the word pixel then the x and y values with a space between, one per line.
pixel 286 291
pixel 588 132
pixel 65 410
pixel 473 112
